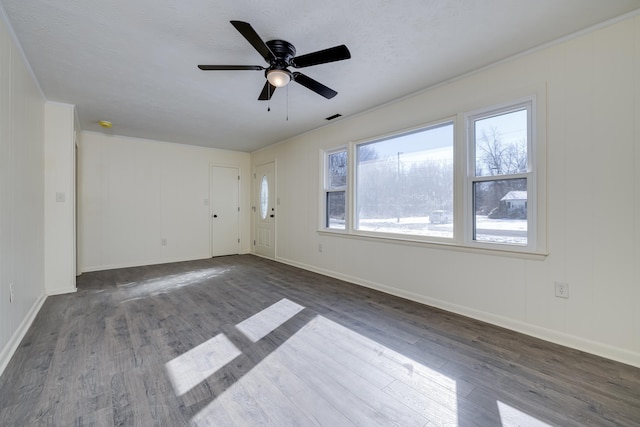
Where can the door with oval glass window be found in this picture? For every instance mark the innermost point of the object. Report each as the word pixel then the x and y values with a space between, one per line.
pixel 264 210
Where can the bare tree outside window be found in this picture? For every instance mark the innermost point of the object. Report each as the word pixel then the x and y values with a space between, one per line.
pixel 337 169
pixel 495 156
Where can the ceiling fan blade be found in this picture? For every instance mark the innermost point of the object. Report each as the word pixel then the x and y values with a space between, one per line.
pixel 314 85
pixel 230 67
pixel 267 92
pixel 336 53
pixel 252 37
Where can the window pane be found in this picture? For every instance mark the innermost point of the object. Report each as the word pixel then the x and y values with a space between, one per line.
pixel 500 211
pixel 337 168
pixel 264 197
pixel 401 180
pixel 336 210
pixel 501 144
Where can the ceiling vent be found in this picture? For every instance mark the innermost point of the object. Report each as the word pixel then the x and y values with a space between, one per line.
pixel 335 116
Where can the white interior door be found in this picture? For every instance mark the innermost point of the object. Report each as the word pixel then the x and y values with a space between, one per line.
pixel 264 210
pixel 225 211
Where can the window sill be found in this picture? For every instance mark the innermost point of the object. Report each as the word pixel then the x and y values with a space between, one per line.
pixel 450 246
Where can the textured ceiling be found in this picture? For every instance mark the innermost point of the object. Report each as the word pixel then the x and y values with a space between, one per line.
pixel 134 62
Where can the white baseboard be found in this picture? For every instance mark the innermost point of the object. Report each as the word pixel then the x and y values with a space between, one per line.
pixel 61 291
pixel 139 264
pixel 561 338
pixel 16 338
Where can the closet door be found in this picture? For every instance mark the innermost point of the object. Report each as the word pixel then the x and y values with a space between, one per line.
pixel 225 211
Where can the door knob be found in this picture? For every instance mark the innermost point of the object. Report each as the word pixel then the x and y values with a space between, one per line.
pixel 272 215
pixel 215 216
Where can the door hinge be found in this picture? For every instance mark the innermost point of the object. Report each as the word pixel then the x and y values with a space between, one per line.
pixel 238 240
pixel 238 208
pixel 238 177
pixel 254 243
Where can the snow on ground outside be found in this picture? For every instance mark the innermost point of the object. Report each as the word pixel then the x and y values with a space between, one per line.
pixel 511 231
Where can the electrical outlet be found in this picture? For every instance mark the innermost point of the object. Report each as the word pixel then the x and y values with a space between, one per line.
pixel 11 293
pixel 319 247
pixel 562 290
pixel 163 241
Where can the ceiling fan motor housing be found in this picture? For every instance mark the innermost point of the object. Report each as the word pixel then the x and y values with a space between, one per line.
pixel 283 51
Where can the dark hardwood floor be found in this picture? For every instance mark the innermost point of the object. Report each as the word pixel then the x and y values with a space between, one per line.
pixel 246 341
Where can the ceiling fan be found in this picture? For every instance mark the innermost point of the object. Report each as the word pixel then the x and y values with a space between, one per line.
pixel 280 55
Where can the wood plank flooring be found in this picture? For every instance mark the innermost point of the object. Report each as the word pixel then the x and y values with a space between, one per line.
pixel 244 341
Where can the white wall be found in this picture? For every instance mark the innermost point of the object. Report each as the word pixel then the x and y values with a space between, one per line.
pixel 59 199
pixel 134 192
pixel 21 195
pixel 593 201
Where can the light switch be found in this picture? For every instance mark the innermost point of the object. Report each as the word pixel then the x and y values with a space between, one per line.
pixel 59 197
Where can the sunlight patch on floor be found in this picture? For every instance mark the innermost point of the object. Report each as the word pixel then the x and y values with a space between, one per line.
pixel 261 324
pixel 191 368
pixel 330 375
pixel 512 417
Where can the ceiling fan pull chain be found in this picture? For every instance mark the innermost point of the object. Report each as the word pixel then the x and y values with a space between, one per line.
pixel 268 97
pixel 287 102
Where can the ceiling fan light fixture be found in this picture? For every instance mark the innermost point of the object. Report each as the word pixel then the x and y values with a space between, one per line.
pixel 278 78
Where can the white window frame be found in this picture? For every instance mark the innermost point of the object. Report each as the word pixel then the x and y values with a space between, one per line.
pixel 531 174
pixel 326 189
pixel 464 168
